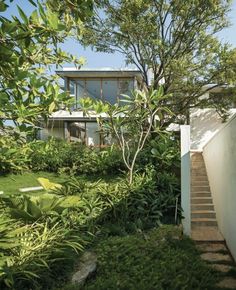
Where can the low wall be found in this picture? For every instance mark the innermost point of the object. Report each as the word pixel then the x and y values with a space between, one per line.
pixel 220 160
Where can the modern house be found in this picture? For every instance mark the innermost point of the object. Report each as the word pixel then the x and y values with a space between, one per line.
pixel 104 84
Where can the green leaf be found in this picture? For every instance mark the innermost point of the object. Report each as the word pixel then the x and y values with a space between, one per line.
pixel 53 20
pixel 33 3
pixel 51 107
pixel 22 15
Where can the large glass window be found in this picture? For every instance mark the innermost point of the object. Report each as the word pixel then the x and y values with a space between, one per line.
pixel 93 88
pixel 126 86
pixel 110 90
pixel 72 87
pixel 80 88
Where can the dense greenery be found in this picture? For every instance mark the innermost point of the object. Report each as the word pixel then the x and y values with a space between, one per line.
pixel 158 259
pixel 81 206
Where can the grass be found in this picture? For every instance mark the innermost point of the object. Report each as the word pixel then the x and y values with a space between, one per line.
pixel 160 259
pixel 11 183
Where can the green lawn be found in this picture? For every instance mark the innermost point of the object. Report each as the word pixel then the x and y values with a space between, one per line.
pixel 11 183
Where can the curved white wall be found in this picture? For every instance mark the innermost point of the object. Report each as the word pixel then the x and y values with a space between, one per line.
pixel 220 160
pixel 205 123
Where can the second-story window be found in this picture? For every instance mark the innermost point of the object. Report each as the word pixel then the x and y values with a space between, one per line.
pixel 93 88
pixel 110 90
pixel 106 89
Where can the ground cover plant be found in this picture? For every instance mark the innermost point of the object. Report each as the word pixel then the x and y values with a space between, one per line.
pixel 157 259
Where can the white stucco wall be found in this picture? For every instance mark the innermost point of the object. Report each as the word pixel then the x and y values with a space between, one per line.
pixel 220 159
pixel 205 123
pixel 185 178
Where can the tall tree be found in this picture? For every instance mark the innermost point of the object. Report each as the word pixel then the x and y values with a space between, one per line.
pixel 174 40
pixel 29 46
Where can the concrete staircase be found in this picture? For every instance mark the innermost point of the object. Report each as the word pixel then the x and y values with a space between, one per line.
pixel 203 217
pixel 204 228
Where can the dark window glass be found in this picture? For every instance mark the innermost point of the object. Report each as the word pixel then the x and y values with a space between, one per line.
pixel 110 90
pixel 93 89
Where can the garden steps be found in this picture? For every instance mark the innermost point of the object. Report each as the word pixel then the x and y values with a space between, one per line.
pixel 205 232
pixel 203 213
pixel 203 217
pixel 218 257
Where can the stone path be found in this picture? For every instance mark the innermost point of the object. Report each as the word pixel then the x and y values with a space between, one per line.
pixel 217 255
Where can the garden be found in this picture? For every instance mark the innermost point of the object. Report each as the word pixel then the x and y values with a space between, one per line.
pixel 88 205
pixel 118 205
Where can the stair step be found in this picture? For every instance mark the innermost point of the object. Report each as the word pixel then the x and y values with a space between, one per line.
pixel 198 171
pixel 205 206
pixel 204 222
pixel 203 214
pixel 206 233
pixel 195 174
pixel 198 166
pixel 201 194
pixel 197 188
pixel 200 183
pixel 201 200
pixel 199 178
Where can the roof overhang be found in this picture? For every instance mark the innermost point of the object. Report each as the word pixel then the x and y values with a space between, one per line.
pixel 98 73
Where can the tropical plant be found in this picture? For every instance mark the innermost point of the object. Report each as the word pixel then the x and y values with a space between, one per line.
pixel 39 248
pixel 31 209
pixel 14 155
pixel 132 123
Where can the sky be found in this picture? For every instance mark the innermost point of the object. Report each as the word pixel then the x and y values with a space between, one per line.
pixel 116 60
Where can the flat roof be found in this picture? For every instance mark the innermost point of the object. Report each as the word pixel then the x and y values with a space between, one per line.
pixel 98 72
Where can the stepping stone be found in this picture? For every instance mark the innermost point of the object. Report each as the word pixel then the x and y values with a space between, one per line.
pixel 27 189
pixel 222 268
pixel 86 267
pixel 215 257
pixel 207 247
pixel 229 283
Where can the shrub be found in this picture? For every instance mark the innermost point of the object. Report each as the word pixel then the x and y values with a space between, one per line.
pixel 143 204
pixel 60 156
pixel 37 249
pixel 14 154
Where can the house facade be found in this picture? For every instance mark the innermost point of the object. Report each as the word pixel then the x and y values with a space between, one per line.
pixel 102 84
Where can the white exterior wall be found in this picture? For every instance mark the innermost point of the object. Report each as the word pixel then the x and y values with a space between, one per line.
pixel 220 159
pixel 205 123
pixel 185 178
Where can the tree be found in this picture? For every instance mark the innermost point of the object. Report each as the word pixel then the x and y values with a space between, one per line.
pixel 29 46
pixel 131 124
pixel 174 40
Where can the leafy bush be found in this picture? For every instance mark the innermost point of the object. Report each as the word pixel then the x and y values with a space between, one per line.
pixel 141 205
pixel 30 251
pixel 163 152
pixel 14 154
pixel 60 156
